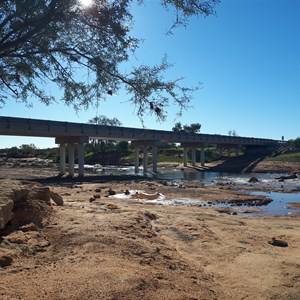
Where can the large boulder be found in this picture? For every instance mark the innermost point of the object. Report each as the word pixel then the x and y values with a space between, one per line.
pixel 31 204
pixel 57 199
pixel 6 207
pixel 253 180
pixel 23 202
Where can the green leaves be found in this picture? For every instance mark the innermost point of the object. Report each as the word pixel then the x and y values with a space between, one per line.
pixel 46 42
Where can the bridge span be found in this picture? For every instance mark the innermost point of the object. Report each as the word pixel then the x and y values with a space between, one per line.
pixel 71 134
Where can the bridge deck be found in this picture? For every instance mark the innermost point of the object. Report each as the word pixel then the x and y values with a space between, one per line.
pixel 45 128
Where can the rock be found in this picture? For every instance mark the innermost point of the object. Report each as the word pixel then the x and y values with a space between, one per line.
pixel 291 176
pixel 92 199
pixel 278 243
pixel 56 198
pixel 23 202
pixel 150 215
pixel 29 227
pixel 111 192
pixel 40 194
pixel 97 196
pixel 127 193
pixel 98 190
pixel 31 205
pixel 6 207
pixel 5 261
pixel 253 180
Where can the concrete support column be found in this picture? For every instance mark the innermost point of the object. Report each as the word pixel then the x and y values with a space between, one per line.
pixel 185 156
pixel 144 144
pixel 154 159
pixel 237 150
pixel 220 152
pixel 80 159
pixel 145 158
pixel 136 159
pixel 193 157
pixel 62 159
pixel 71 159
pixel 202 158
pixel 228 151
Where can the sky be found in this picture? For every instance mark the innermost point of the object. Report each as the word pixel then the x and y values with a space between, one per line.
pixel 247 59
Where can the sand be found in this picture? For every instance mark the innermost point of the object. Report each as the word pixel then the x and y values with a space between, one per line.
pixel 119 248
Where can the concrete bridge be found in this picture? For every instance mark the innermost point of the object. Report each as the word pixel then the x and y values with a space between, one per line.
pixel 71 134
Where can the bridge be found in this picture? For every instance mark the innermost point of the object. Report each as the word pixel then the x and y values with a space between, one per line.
pixel 77 134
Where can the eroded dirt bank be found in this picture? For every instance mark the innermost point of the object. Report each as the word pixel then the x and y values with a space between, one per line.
pixel 98 247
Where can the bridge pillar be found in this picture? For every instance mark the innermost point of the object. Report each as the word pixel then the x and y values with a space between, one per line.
pixel 237 150
pixel 145 144
pixel 154 158
pixel 136 159
pixel 145 158
pixel 71 141
pixel 193 157
pixel 220 151
pixel 71 159
pixel 185 156
pixel 81 159
pixel 202 157
pixel 62 159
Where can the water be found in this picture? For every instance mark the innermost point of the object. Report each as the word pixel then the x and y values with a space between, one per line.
pixel 207 178
pixel 278 206
pixel 280 202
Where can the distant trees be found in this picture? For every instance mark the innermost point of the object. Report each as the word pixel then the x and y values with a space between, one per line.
pixel 99 145
pixel 297 143
pixel 103 120
pixel 192 128
pixel 22 151
pixel 232 132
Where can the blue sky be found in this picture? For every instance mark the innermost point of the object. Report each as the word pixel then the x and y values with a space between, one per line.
pixel 247 59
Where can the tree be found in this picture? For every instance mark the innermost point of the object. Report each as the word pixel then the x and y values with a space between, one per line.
pixel 177 127
pixel 99 144
pixel 103 120
pixel 48 41
pixel 297 143
pixel 232 132
pixel 193 128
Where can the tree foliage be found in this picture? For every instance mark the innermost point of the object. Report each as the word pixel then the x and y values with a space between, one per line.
pixel 232 132
pixel 99 144
pixel 80 49
pixel 103 120
pixel 297 143
pixel 192 128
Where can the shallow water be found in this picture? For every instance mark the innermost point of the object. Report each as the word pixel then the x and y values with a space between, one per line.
pixel 280 202
pixel 207 178
pixel 278 206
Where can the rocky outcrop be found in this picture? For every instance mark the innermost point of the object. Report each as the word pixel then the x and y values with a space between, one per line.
pixel 293 175
pixel 6 207
pixel 31 205
pixel 58 200
pixel 253 180
pixel 25 202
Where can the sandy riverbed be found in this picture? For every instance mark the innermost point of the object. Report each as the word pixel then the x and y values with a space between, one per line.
pixel 98 247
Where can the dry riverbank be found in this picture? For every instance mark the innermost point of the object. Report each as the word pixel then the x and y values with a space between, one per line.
pixel 99 247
